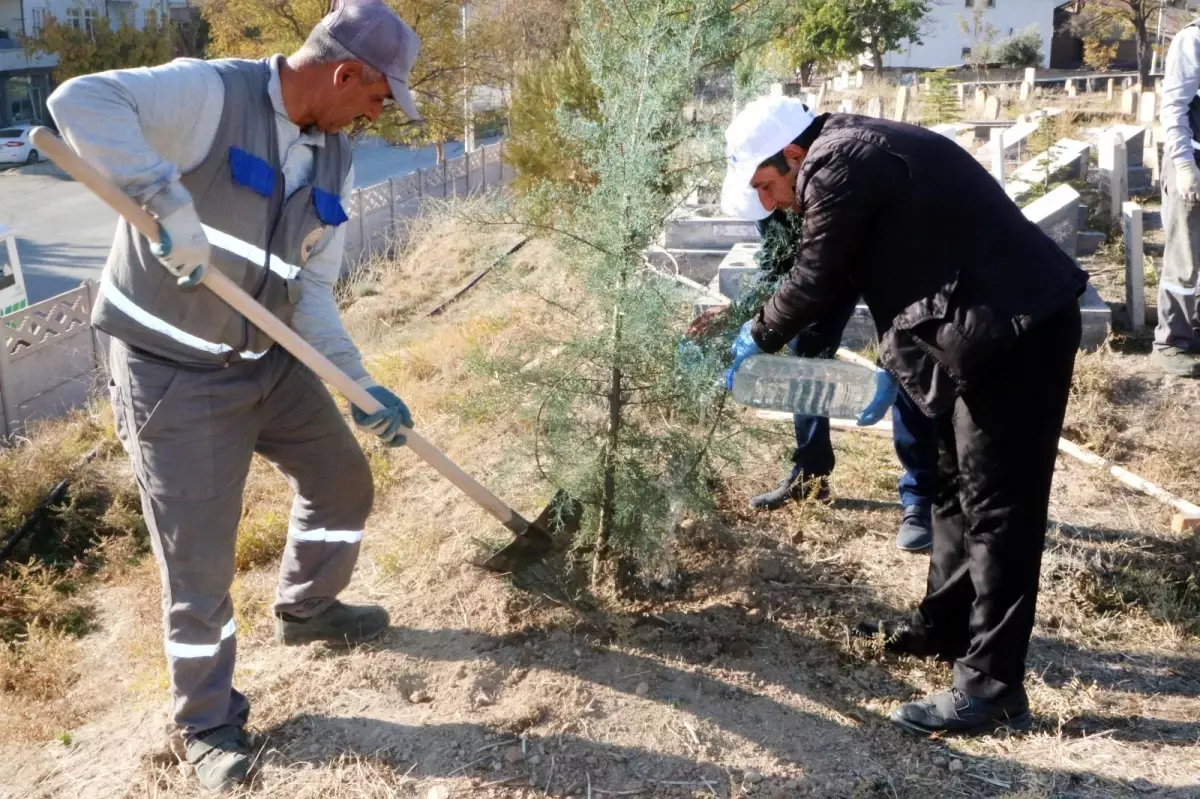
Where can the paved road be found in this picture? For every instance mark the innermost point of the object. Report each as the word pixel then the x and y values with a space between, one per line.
pixel 64 232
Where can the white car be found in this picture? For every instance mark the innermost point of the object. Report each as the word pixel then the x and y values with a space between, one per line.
pixel 15 147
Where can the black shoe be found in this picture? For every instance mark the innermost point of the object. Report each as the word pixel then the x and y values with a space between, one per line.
pixel 337 625
pixel 901 638
pixel 221 757
pixel 794 486
pixel 916 529
pixel 957 713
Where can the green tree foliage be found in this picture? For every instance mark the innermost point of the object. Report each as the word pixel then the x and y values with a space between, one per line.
pixel 538 149
pixel 81 53
pixel 629 421
pixel 941 103
pixel 887 24
pixel 449 63
pixel 820 34
pixel 1111 20
pixel 1023 49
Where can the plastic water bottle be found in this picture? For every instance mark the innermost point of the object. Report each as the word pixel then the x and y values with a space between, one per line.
pixel 812 386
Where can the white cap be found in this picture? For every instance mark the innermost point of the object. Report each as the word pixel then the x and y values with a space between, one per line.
pixel 762 129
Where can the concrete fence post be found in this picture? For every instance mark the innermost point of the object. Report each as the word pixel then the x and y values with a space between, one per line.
pixel 8 407
pixel 1135 276
pixel 1114 175
pixel 362 225
pixel 391 204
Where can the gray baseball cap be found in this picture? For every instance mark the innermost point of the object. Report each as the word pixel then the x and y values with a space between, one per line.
pixel 376 35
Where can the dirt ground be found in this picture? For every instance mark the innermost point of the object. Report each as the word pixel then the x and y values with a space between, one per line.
pixel 739 678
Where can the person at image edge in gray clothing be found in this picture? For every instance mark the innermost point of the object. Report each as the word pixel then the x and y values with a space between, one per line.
pixel 246 169
pixel 1176 338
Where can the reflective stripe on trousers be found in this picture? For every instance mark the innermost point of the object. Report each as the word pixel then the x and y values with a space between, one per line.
pixel 176 649
pixel 326 536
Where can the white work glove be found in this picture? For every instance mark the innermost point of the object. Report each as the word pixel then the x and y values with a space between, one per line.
pixel 1187 180
pixel 182 245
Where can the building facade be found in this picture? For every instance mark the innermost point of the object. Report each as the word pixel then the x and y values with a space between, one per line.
pixel 25 77
pixel 944 43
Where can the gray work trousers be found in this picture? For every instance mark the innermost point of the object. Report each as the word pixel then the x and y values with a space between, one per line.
pixel 1178 323
pixel 191 436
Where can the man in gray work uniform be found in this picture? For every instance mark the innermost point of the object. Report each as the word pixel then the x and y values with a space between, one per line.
pixel 244 166
pixel 1176 338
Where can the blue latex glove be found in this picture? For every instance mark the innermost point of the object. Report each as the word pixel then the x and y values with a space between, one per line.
pixel 882 402
pixel 743 347
pixel 386 423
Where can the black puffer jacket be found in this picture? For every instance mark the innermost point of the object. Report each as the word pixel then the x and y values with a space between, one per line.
pixel 951 269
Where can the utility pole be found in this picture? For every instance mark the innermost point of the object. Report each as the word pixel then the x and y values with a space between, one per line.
pixel 468 120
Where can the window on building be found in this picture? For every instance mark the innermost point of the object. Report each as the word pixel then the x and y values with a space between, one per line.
pixel 990 3
pixel 966 52
pixel 968 3
pixel 40 17
pixel 83 19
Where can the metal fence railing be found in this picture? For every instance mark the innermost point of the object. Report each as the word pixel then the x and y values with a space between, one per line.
pixel 378 213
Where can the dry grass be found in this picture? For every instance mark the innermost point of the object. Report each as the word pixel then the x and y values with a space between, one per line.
pixel 746 664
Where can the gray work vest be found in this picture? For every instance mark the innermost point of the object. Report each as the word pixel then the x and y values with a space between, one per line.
pixel 258 239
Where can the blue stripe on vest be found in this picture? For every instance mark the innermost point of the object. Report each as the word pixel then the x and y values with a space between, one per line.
pixel 329 207
pixel 251 171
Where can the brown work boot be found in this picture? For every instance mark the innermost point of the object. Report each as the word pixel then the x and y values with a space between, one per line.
pixel 1176 361
pixel 337 625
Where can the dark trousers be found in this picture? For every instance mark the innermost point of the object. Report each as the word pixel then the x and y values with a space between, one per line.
pixel 996 454
pixel 913 432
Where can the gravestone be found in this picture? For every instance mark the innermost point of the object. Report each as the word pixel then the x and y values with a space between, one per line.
pixel 846 106
pixel 1089 85
pixel 858 79
pixel 875 108
pixel 901 104
pixel 1147 108
pixel 962 95
pixel 777 90
pixel 1135 276
pixel 1113 167
pixel 1071 88
pixel 1109 90
pixel 1129 102
pixel 991 109
pixel 981 95
pixel 1026 90
pixel 821 96
pixel 1030 75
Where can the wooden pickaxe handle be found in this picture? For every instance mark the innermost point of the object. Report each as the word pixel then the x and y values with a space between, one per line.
pixel 215 281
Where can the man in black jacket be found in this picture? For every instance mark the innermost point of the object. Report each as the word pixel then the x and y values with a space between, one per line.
pixel 813 459
pixel 978 321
